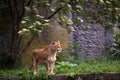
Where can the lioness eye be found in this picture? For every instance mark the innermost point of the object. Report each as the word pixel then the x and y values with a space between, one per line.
pixel 53 43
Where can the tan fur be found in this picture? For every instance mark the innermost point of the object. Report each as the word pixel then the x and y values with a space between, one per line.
pixel 46 57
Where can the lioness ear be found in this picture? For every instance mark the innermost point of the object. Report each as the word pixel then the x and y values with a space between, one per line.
pixel 58 41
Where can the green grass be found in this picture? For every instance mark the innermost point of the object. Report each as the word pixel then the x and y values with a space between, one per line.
pixel 22 71
pixel 90 66
pixel 25 73
pixel 94 65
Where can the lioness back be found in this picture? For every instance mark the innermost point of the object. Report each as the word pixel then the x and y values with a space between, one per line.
pixel 40 54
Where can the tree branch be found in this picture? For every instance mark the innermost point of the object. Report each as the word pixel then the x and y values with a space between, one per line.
pixel 28 2
pixel 55 12
pixel 58 10
pixel 27 46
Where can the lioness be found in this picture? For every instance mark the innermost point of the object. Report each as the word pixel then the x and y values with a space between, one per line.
pixel 45 56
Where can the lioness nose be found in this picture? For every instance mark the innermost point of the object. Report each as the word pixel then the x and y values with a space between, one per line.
pixel 59 49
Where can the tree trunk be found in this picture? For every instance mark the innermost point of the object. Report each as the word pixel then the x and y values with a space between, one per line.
pixel 11 14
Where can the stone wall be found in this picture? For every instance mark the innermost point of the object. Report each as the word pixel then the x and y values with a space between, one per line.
pixel 92 39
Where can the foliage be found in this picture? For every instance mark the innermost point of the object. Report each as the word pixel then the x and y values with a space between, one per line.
pixel 72 55
pixel 65 64
pixel 7 60
pixel 115 52
pixel 103 12
pixel 74 47
pixel 90 65
pixel 24 73
pixel 33 23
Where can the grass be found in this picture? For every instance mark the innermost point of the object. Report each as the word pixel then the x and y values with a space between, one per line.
pixel 24 73
pixel 90 66
pixel 93 65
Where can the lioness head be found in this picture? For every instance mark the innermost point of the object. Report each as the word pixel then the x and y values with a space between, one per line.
pixel 56 46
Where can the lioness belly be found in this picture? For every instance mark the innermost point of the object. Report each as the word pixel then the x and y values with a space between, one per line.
pixel 46 61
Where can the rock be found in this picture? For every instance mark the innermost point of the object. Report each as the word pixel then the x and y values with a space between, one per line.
pixel 93 40
pixel 53 33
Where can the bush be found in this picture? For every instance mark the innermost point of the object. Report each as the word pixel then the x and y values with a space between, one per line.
pixel 9 61
pixel 115 52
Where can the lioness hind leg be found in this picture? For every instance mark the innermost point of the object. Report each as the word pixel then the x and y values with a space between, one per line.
pixel 32 61
pixel 35 66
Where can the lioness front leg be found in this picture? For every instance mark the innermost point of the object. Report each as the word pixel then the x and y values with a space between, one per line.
pixel 47 68
pixel 52 67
